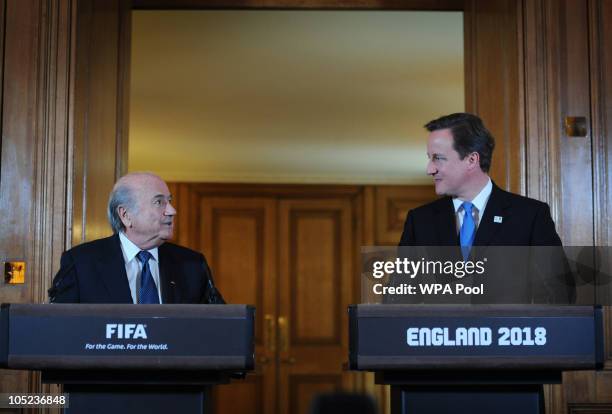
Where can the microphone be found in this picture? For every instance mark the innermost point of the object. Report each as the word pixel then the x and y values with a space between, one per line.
pixel 58 285
pixel 214 297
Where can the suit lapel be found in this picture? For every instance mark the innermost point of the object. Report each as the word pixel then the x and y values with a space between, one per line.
pixel 497 206
pixel 446 225
pixel 169 288
pixel 111 270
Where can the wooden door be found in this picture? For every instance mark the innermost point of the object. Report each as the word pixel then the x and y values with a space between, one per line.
pixel 237 235
pixel 315 268
pixel 293 259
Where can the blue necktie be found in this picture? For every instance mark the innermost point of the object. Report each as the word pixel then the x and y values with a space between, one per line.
pixel 468 230
pixel 148 290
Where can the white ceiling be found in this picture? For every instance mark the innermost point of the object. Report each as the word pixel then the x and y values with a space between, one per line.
pixel 291 96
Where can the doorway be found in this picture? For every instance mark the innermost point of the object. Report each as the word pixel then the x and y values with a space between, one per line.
pixel 293 252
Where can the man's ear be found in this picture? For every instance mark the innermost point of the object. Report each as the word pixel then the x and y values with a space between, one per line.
pixel 124 216
pixel 474 160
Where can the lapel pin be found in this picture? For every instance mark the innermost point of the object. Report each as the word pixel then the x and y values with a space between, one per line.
pixel 498 219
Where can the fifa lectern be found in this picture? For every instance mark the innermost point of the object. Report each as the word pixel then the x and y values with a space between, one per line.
pixel 130 358
pixel 473 358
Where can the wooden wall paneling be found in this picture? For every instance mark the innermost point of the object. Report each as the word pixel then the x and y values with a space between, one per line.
pixel 361 202
pixel 78 131
pixel 368 238
pixel 569 95
pixel 192 198
pixel 20 127
pixel 392 206
pixel 569 88
pixel 95 115
pixel 55 178
pixel 123 87
pixel 554 399
pixel 603 388
pixel 186 222
pixel 493 81
pixel 593 408
pixel 361 381
pixel 469 69
pixel 173 188
pixel 53 152
pixel 36 39
pixel 364 233
pixel 600 31
pixel 238 236
pixel 600 25
pixel 315 274
pixel 541 148
pixel 17 172
pixel 368 216
pixel 600 19
pixel 275 190
pixel 579 387
pixel 559 83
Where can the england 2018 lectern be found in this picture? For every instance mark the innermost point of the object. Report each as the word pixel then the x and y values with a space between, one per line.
pixel 127 358
pixel 473 358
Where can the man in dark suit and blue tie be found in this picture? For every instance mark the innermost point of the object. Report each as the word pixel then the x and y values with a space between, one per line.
pixel 475 212
pixel 136 264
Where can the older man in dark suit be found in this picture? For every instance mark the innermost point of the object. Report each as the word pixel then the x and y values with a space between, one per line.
pixel 136 264
pixel 476 212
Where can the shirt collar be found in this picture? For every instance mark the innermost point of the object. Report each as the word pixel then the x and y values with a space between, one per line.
pixel 480 201
pixel 130 250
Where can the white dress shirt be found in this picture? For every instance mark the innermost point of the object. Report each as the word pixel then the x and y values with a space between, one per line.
pixel 133 267
pixel 480 202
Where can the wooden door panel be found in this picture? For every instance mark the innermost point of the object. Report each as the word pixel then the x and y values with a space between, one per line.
pixel 392 204
pixel 604 386
pixel 493 83
pixel 238 237
pixel 238 252
pixel 245 396
pixel 314 276
pixel 315 268
pixel 303 388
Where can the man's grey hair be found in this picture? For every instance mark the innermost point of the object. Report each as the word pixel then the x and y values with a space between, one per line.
pixel 122 195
